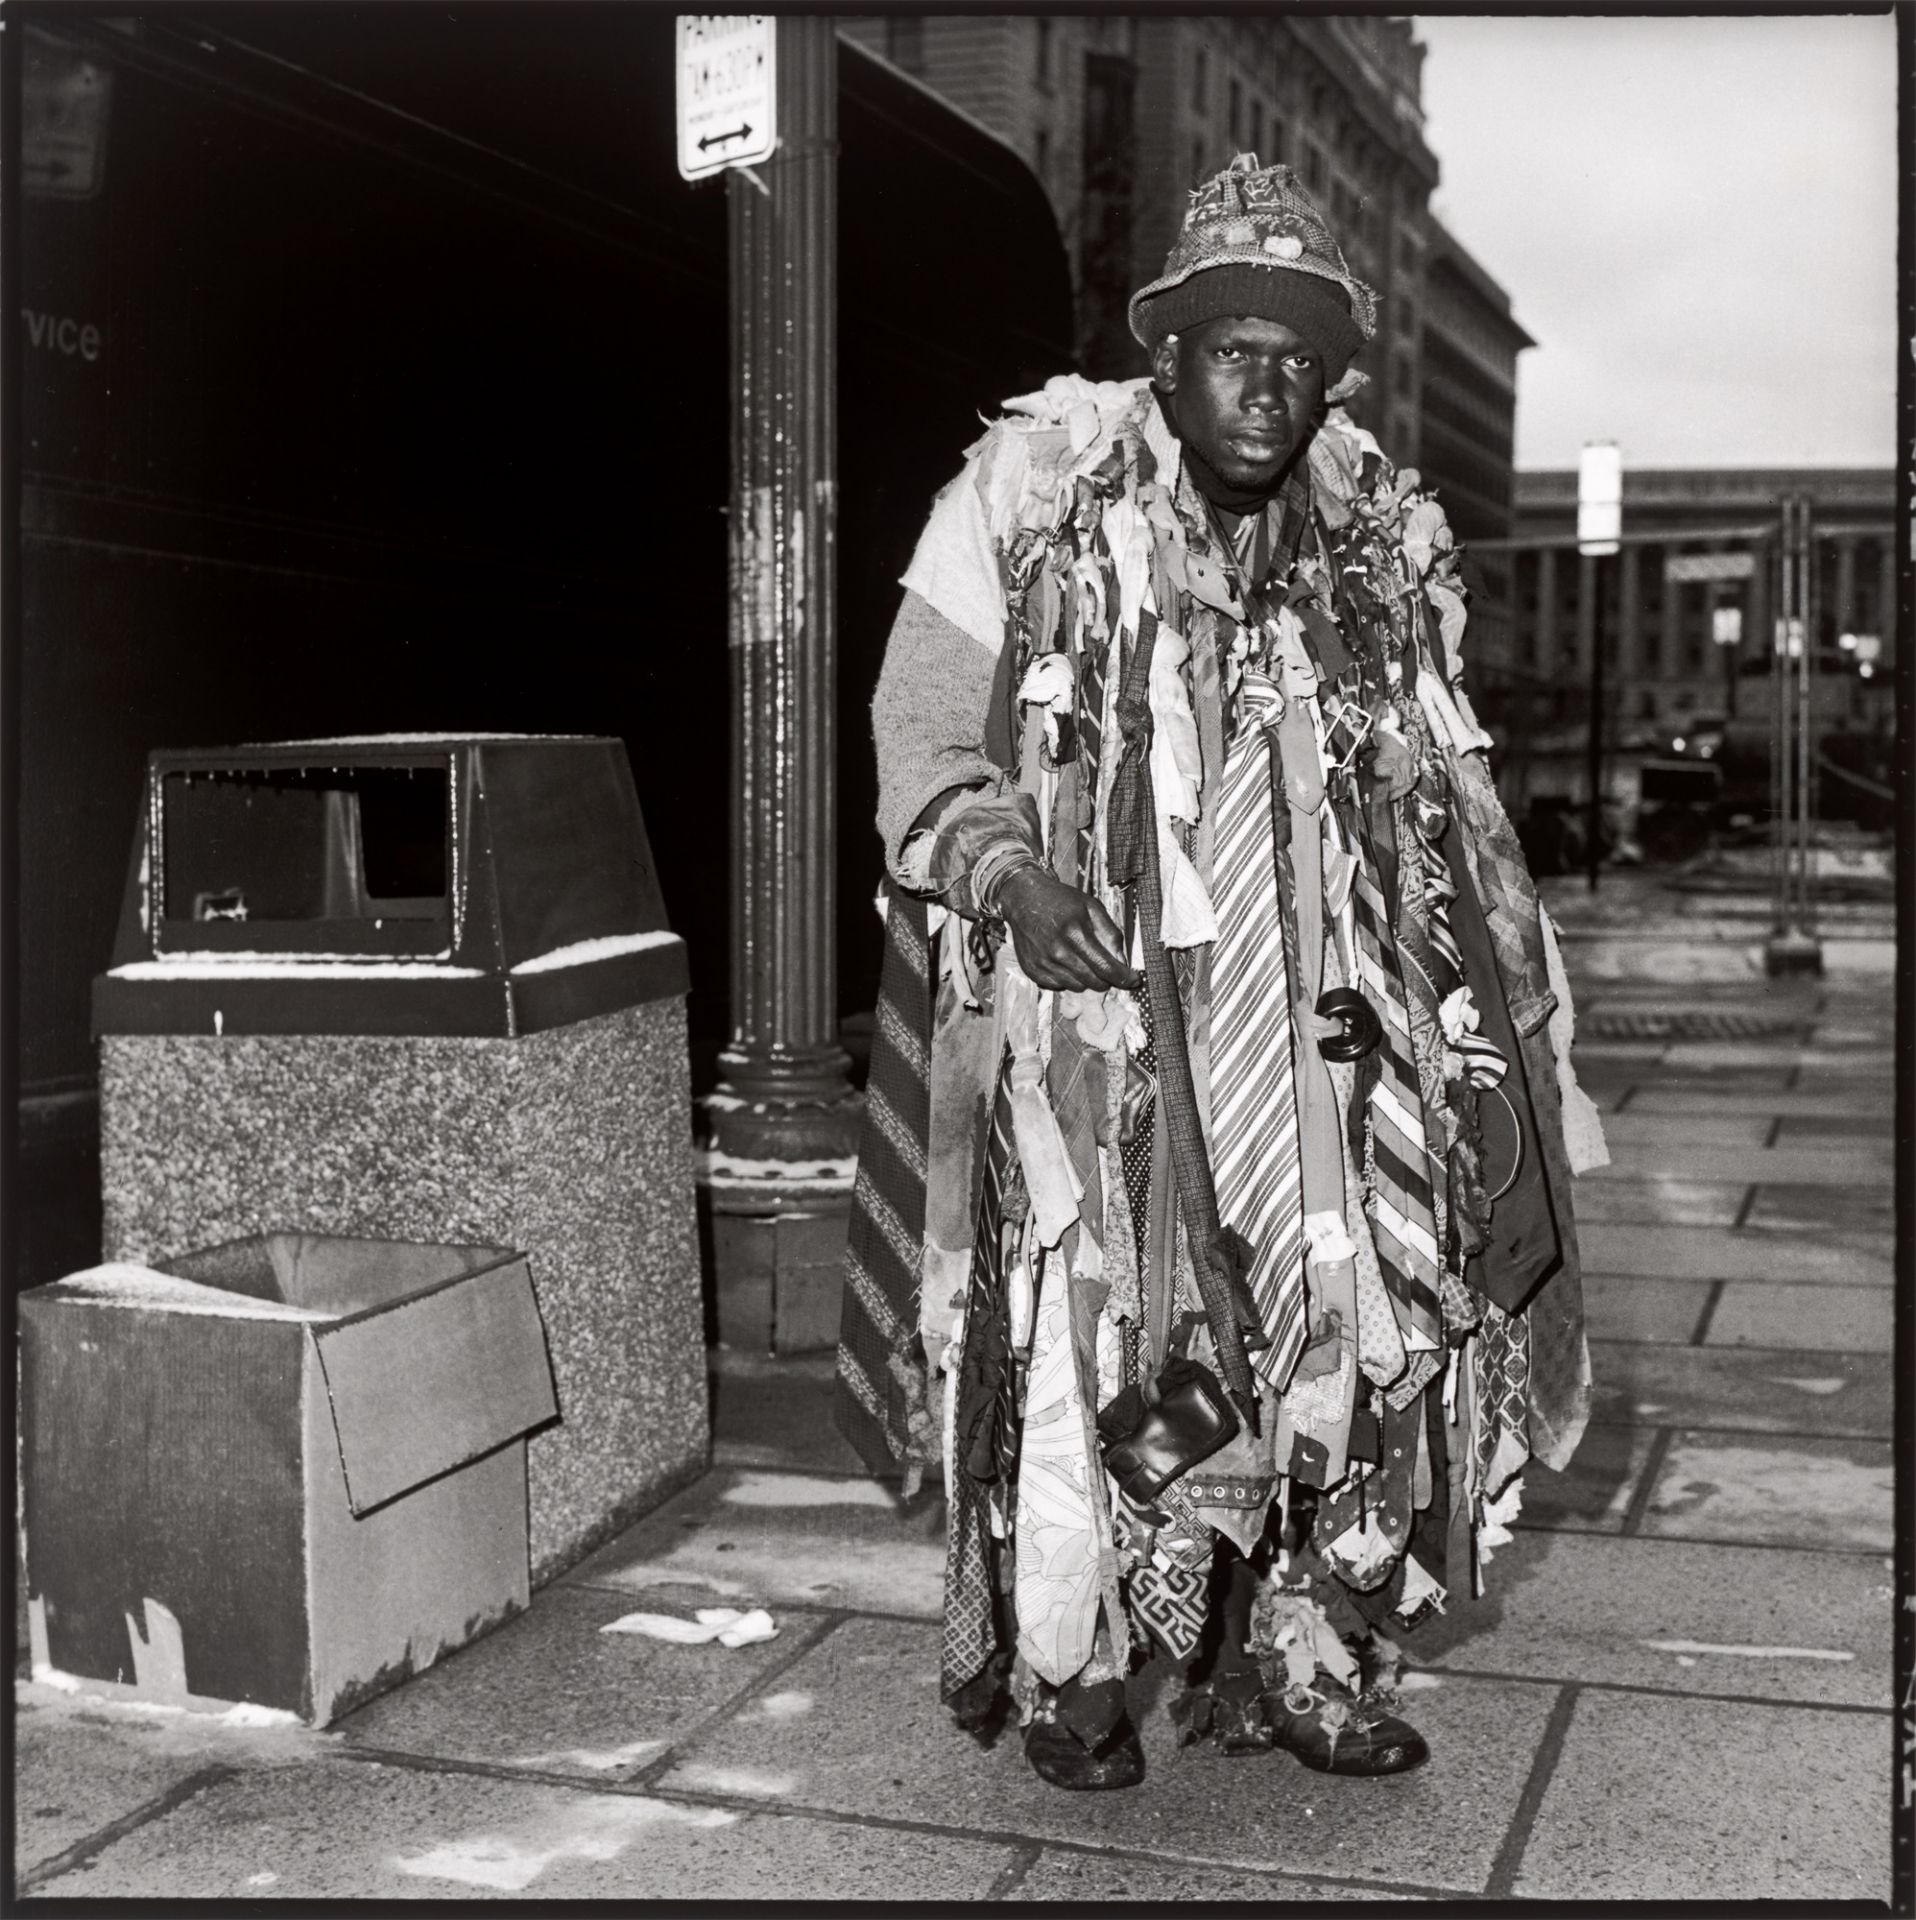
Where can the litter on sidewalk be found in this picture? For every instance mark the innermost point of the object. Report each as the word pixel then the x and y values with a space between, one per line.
pixel 727 1625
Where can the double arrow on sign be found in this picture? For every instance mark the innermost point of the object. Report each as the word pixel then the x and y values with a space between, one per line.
pixel 719 139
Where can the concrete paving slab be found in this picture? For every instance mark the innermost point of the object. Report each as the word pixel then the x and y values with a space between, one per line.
pixel 1751 1388
pixel 1592 1494
pixel 414 1835
pixel 552 1693
pixel 1717 1253
pixel 1822 1319
pixel 1775 1491
pixel 1793 1805
pixel 1855 1163
pixel 75 1774
pixel 1874 1080
pixel 1655 1096
pixel 777 1412
pixel 1865 1214
pixel 1097 1878
pixel 1736 1127
pixel 1593 1052
pixel 879 1738
pixel 791 1539
pixel 1655 1201
pixel 1731 1056
pixel 1840 1036
pixel 1808 1130
pixel 1675 1616
pixel 1661 959
pixel 1624 1307
pixel 1859 957
pixel 1754 1086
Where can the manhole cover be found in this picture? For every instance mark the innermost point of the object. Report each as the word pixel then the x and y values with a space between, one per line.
pixel 1699 1023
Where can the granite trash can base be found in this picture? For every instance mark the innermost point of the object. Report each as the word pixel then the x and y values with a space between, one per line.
pixel 572 1144
pixel 422 987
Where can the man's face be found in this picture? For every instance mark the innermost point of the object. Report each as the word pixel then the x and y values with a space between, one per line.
pixel 1244 394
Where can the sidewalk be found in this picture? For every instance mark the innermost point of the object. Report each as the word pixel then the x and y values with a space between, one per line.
pixel 1677 1688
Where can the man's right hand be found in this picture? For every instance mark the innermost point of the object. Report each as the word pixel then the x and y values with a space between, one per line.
pixel 1064 939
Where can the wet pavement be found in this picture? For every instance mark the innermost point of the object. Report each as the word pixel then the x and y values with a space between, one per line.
pixel 1678 1686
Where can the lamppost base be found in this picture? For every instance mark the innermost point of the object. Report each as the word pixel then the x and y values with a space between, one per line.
pixel 792 1105
pixel 775 1193
pixel 1789 951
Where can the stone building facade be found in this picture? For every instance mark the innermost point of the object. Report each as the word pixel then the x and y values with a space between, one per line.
pixel 1118 115
pixel 1468 410
pixel 1661 655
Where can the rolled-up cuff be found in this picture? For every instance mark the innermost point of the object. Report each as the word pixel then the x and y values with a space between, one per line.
pixel 981 844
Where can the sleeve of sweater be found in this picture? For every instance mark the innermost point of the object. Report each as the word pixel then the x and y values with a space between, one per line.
pixel 928 723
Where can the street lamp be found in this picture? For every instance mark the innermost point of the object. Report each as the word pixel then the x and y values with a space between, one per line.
pixel 1599 534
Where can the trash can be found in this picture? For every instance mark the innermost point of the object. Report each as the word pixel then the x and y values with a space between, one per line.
pixel 422 988
pixel 325 1489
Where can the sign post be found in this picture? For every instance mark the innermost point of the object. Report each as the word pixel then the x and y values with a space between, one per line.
pixel 1599 534
pixel 1792 946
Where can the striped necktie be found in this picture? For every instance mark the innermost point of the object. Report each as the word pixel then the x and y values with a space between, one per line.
pixel 1403 1223
pixel 1253 1098
pixel 984 1422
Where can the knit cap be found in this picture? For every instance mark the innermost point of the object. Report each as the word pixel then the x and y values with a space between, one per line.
pixel 1253 242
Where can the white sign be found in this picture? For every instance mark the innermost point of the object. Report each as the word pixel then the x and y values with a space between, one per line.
pixel 63 111
pixel 1709 566
pixel 1726 626
pixel 1599 497
pixel 728 71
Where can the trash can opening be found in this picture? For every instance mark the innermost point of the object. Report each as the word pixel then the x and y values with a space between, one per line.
pixel 280 844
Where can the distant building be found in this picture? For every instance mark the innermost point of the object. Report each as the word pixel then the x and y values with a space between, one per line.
pixel 1466 447
pixel 1661 656
pixel 1119 115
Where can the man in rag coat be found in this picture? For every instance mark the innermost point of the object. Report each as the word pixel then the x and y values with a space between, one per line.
pixel 1213 1228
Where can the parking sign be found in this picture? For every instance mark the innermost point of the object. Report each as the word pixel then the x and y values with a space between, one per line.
pixel 728 65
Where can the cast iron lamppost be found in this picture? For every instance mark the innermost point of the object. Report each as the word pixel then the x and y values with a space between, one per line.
pixel 1599 534
pixel 784 1090
pixel 1792 946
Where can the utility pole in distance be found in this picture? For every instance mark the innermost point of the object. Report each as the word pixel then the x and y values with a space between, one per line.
pixel 1599 534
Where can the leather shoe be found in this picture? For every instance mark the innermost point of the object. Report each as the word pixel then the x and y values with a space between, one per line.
pixel 1333 1730
pixel 1058 1757
pixel 1228 1711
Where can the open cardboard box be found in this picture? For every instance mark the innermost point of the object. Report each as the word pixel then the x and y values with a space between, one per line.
pixel 288 1471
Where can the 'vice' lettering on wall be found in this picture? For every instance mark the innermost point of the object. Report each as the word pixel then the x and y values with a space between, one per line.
pixel 56 333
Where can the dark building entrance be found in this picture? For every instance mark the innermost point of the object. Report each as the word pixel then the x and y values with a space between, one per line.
pixel 375 379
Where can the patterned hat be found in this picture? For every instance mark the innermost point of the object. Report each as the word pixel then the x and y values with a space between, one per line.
pixel 1261 227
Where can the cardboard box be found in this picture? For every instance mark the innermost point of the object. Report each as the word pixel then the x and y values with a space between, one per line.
pixel 290 1471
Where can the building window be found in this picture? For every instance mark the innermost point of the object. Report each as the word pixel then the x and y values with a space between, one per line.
pixel 1278 141
pixel 1197 161
pixel 1044 55
pixel 1236 111
pixel 1313 166
pixel 1257 130
pixel 905 42
pixel 1200 79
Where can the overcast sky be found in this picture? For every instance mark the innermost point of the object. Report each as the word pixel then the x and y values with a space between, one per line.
pixel 1695 218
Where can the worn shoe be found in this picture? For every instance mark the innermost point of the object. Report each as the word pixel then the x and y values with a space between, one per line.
pixel 1332 1730
pixel 1231 1716
pixel 1059 1758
